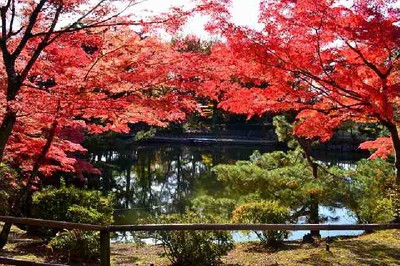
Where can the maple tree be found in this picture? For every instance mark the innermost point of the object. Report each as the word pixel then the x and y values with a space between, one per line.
pixel 93 75
pixel 34 36
pixel 329 61
pixel 125 81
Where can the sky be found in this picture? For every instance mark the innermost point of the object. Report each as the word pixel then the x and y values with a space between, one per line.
pixel 244 12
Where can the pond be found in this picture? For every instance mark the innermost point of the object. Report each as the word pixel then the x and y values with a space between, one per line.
pixel 153 178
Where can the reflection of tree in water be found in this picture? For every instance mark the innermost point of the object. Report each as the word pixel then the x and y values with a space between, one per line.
pixel 154 178
pixel 161 179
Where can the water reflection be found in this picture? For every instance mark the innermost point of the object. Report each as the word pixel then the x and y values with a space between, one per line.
pixel 149 179
pixel 162 178
pixel 335 216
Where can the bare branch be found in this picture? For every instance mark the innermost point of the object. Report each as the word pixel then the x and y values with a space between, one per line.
pixel 10 27
pixel 72 27
pixel 42 44
pixel 4 10
pixel 28 32
pixel 88 13
pixel 7 58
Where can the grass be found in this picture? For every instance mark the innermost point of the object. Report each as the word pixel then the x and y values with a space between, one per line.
pixel 379 248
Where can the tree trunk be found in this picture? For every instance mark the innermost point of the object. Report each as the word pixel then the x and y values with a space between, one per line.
pixel 394 134
pixel 396 146
pixel 128 187
pixel 25 194
pixel 4 234
pixel 314 216
pixel 14 84
pixel 214 117
pixel 28 192
pixel 314 212
pixel 5 130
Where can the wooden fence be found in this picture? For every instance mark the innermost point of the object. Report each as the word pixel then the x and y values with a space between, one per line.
pixel 105 231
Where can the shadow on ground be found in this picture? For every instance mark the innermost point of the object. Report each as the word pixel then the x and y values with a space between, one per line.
pixel 368 252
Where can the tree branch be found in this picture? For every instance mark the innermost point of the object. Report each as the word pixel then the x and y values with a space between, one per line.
pixel 366 62
pixel 9 62
pixel 10 27
pixel 28 32
pixel 41 45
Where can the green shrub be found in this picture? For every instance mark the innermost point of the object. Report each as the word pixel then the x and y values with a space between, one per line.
pixel 73 205
pixel 216 207
pixel 371 196
pixel 376 211
pixel 87 215
pixel 193 247
pixel 283 176
pixel 265 212
pixel 76 245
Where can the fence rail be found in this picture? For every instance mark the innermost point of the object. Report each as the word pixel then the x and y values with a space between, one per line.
pixel 106 229
pixel 253 227
pixel 9 261
pixel 50 223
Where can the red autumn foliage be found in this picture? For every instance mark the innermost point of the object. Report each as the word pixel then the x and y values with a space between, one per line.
pixel 76 67
pixel 330 61
pixel 383 147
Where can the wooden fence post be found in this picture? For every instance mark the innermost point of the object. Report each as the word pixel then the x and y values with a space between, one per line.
pixel 105 253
